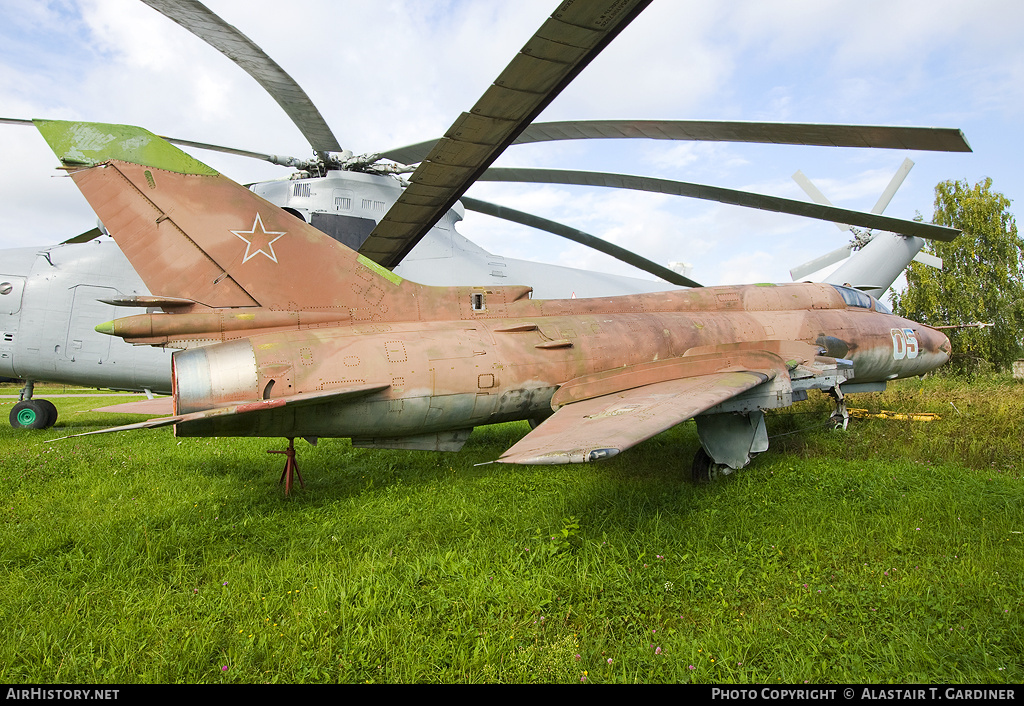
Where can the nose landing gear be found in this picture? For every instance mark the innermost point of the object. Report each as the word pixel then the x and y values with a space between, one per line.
pixel 840 416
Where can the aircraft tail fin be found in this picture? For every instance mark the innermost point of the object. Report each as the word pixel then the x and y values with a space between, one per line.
pixel 192 233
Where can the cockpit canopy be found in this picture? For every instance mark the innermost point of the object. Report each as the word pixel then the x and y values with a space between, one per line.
pixel 855 297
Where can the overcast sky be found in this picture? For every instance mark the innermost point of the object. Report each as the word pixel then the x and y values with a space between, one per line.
pixel 389 73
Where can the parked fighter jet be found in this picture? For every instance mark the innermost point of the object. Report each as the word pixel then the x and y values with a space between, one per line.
pixel 314 340
pixel 285 332
pixel 52 297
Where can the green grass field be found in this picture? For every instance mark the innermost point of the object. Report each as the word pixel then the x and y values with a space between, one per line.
pixel 891 552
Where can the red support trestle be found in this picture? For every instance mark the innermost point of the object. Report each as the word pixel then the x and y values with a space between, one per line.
pixel 291 467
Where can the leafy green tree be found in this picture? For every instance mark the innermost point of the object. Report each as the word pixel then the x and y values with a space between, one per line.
pixel 981 281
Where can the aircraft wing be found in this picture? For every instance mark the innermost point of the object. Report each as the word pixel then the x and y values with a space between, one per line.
pixel 600 427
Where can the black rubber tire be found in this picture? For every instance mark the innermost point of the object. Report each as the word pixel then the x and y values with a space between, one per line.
pixel 705 470
pixel 30 414
pixel 51 412
pixel 701 470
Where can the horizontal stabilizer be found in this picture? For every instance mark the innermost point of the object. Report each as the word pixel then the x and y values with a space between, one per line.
pixel 255 407
pixel 155 406
pixel 84 237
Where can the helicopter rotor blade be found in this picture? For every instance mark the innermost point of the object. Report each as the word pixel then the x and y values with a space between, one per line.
pixel 564 45
pixel 820 263
pixel 578 236
pixel 816 196
pixel 868 136
pixel 894 185
pixel 221 148
pixel 823 135
pixel 205 24
pixel 722 195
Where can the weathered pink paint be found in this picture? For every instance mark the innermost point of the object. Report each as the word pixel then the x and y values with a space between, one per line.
pixel 293 334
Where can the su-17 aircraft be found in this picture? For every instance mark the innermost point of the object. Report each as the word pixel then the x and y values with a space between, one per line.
pixel 51 298
pixel 286 332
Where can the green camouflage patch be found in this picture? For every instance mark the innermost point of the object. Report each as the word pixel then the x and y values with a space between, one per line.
pixel 88 144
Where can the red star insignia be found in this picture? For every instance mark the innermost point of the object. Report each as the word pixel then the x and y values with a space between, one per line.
pixel 259 240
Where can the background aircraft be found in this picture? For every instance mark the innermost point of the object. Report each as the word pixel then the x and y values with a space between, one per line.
pixel 887 259
pixel 395 73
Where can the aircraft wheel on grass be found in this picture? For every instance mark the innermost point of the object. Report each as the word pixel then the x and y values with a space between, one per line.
pixel 51 412
pixel 33 414
pixel 704 469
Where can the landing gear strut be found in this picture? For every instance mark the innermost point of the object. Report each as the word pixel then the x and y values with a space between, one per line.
pixel 728 442
pixel 291 467
pixel 841 416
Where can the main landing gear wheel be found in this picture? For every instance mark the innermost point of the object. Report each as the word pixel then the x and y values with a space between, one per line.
pixel 51 412
pixel 705 470
pixel 33 414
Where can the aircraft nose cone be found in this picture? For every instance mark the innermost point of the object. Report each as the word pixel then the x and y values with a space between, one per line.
pixel 937 343
pixel 946 347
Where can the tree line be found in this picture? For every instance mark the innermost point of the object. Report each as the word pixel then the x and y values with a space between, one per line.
pixel 981 280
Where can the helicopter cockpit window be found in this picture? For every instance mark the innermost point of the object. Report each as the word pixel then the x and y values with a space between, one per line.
pixel 880 307
pixel 852 297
